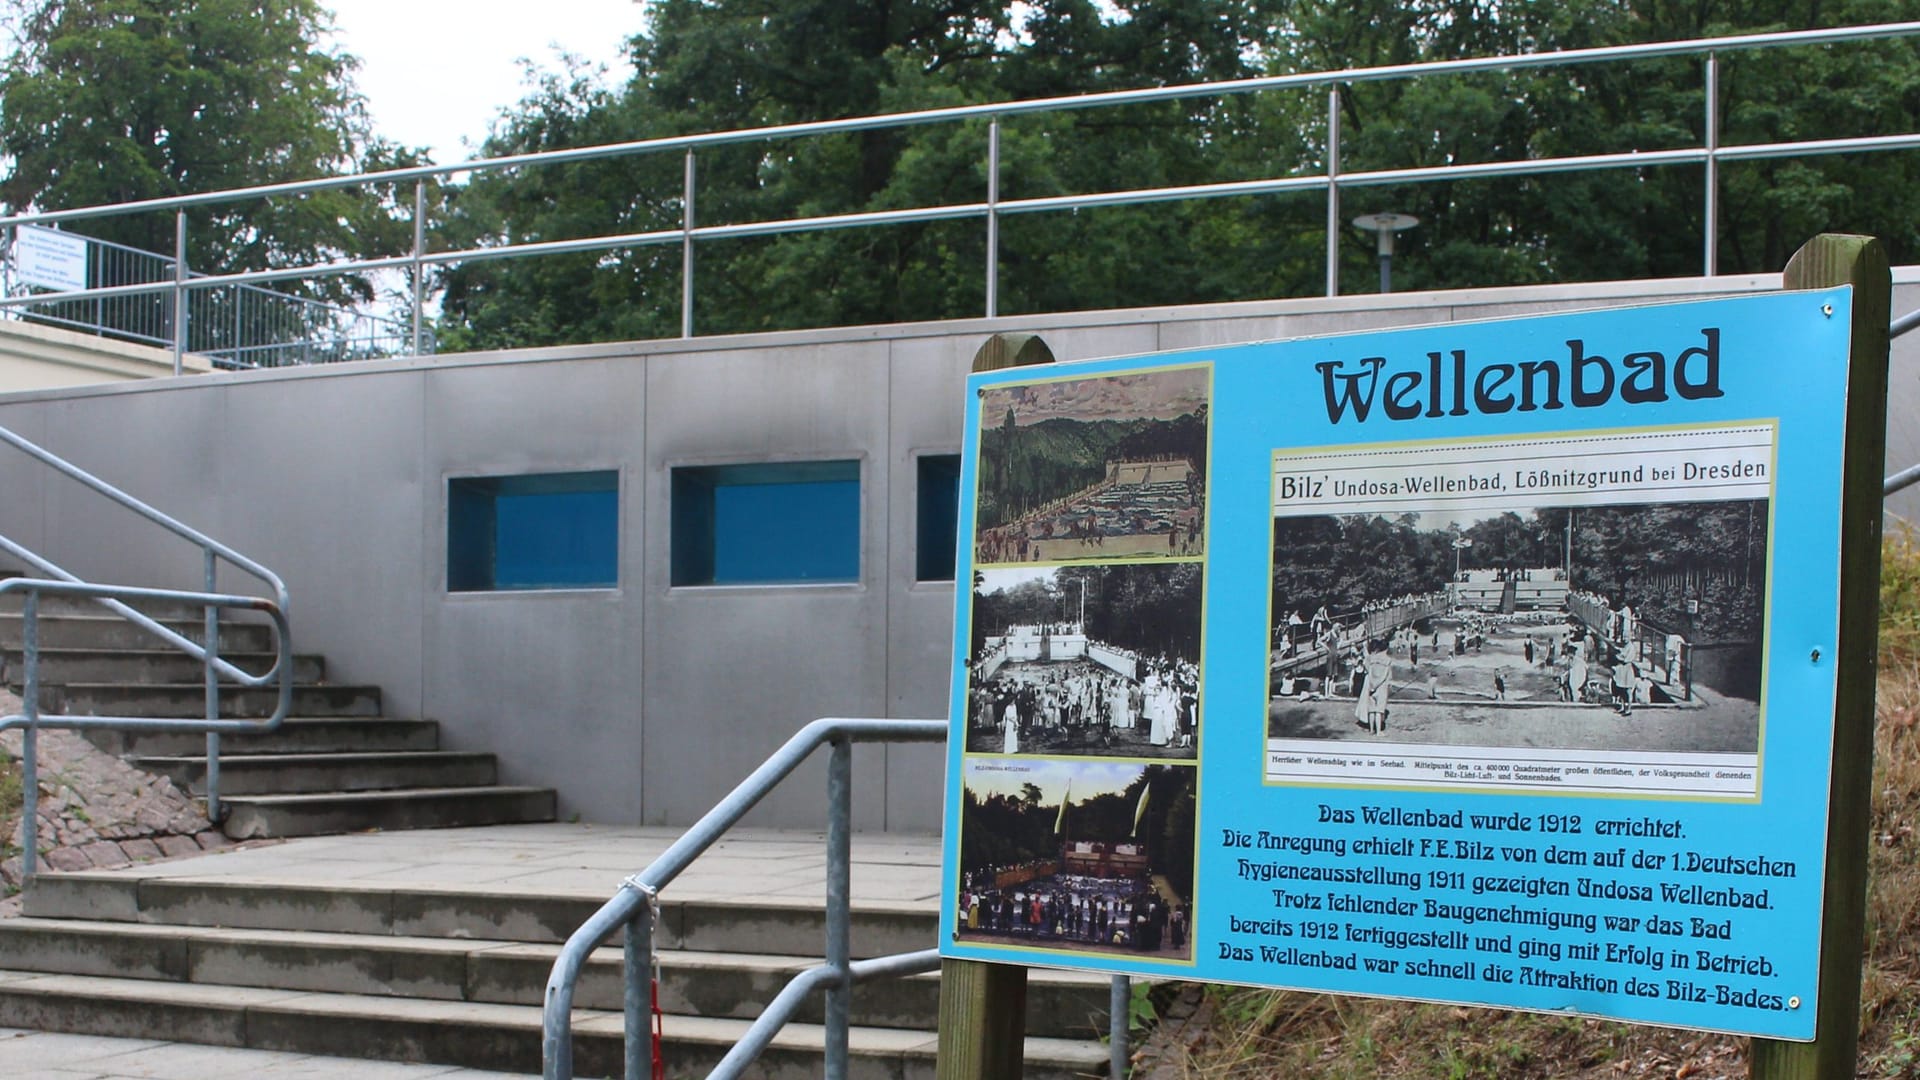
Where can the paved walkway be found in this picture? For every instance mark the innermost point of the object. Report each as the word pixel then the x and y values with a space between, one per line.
pixel 577 860
pixel 559 859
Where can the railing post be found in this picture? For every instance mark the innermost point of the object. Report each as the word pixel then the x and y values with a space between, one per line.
pixel 637 1000
pixel 993 218
pixel 1333 191
pixel 1119 1003
pixel 29 738
pixel 1713 166
pixel 686 251
pixel 212 622
pixel 179 290
pixel 419 248
pixel 839 902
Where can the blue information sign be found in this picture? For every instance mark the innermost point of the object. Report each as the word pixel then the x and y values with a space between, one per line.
pixel 1487 663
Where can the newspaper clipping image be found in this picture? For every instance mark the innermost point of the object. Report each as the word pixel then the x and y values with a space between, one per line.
pixel 1577 613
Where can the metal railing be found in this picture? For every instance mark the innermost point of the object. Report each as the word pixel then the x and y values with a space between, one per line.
pixel 634 908
pixel 234 326
pixel 1710 153
pixel 58 582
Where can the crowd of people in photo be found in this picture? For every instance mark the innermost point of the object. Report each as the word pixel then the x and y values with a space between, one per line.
pixel 1325 633
pixel 1147 506
pixel 1086 705
pixel 1511 573
pixel 1125 913
pixel 1593 653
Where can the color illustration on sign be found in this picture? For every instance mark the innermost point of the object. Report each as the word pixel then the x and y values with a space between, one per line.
pixel 1474 663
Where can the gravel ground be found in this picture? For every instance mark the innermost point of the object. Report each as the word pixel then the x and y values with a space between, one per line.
pixel 97 812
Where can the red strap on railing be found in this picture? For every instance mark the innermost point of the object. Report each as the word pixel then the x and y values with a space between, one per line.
pixel 659 1030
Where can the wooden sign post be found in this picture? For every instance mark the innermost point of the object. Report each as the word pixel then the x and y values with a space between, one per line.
pixel 1824 262
pixel 983 1007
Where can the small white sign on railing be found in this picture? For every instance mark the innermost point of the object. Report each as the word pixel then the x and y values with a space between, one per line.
pixel 50 258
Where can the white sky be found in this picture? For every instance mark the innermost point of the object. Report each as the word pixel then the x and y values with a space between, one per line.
pixel 436 72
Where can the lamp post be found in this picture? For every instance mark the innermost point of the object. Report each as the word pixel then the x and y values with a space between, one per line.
pixel 1383 226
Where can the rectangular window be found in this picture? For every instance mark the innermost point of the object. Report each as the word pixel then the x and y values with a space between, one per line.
pixel 777 523
pixel 541 531
pixel 937 520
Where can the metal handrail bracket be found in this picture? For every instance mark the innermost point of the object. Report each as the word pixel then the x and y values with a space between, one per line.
pixel 632 907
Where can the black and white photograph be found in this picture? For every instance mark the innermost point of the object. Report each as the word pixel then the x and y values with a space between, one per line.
pixel 1082 856
pixel 1633 627
pixel 1107 467
pixel 1086 661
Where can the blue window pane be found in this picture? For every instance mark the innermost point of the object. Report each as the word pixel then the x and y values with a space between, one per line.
pixel 542 531
pixel 777 523
pixel 938 518
pixel 558 540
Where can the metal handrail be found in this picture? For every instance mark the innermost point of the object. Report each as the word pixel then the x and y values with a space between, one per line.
pixel 235 326
pixel 1303 80
pixel 1332 180
pixel 58 581
pixel 634 908
pixel 30 719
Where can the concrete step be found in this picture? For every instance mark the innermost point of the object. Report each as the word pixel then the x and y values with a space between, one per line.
pixel 475 1035
pixel 113 632
pixel 786 927
pixel 254 816
pixel 295 735
pixel 293 774
pixel 189 700
pixel 141 665
pixel 726 985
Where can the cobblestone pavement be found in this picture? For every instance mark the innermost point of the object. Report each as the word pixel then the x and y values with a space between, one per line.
pixel 97 812
pixel 34 1055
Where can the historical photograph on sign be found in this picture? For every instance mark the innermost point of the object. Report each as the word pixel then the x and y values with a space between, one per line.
pixel 1106 467
pixel 1593 644
pixel 1083 856
pixel 1091 661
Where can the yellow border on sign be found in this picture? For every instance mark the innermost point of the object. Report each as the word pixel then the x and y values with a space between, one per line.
pixel 1200 709
pixel 1766 659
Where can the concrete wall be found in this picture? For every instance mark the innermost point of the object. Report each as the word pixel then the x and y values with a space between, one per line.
pixel 645 702
pixel 36 357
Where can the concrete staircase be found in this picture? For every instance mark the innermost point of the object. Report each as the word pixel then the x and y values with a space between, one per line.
pixel 456 976
pixel 308 955
pixel 337 764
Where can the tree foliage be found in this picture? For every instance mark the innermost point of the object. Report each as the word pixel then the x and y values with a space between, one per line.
pixel 109 101
pixel 706 65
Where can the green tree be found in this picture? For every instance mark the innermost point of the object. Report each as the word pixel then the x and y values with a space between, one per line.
pixel 707 65
pixel 111 101
pixel 747 63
